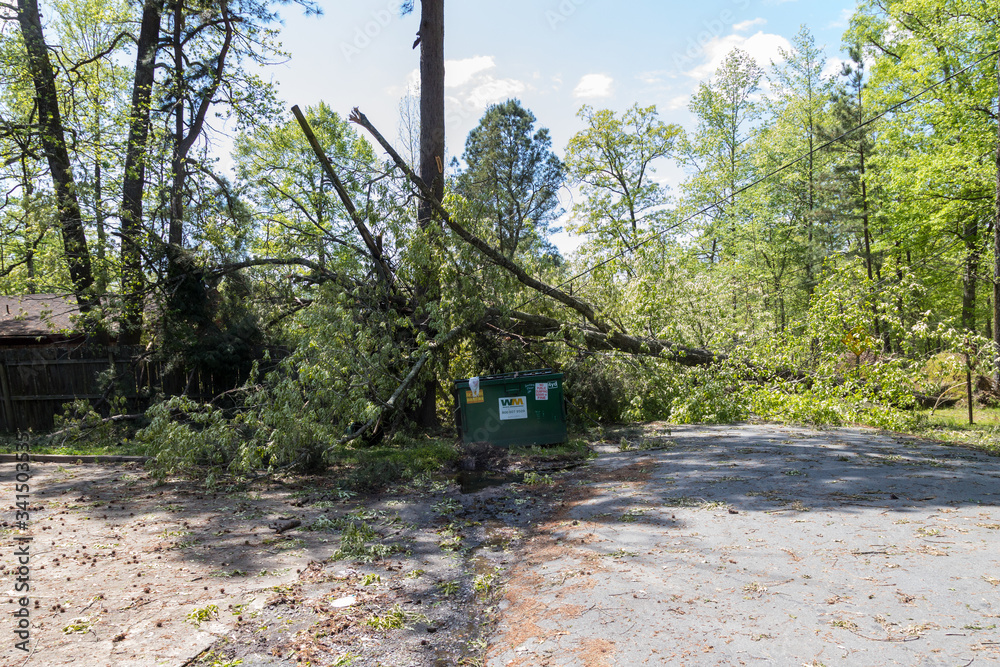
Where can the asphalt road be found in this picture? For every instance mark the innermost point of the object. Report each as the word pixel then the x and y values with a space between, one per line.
pixel 766 545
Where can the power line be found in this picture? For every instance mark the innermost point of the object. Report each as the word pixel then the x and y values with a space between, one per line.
pixel 774 172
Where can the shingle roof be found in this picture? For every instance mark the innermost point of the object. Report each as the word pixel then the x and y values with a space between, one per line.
pixel 32 315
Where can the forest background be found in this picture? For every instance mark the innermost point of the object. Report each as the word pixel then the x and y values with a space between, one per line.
pixel 829 256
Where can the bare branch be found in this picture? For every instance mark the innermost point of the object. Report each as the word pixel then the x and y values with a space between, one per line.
pixel 97 56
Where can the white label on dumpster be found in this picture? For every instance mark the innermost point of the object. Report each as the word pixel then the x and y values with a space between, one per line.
pixel 514 407
pixel 541 391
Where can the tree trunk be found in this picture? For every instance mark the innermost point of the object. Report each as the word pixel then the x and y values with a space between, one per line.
pixel 970 235
pixel 178 172
pixel 431 160
pixel 187 131
pixel 54 144
pixel 132 279
pixel 868 242
pixel 996 239
pixel 28 189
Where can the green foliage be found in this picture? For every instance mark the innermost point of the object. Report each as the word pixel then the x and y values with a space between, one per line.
pixel 80 421
pixel 359 542
pixel 533 478
pixel 614 161
pixel 486 585
pixel 184 435
pixel 448 588
pixel 208 327
pixel 712 395
pixel 395 618
pixel 595 390
pixel 832 290
pixel 203 614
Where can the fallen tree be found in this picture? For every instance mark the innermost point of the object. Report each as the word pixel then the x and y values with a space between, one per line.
pixel 600 335
pixel 596 333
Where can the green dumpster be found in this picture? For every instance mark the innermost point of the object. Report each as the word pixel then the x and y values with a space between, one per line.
pixel 520 409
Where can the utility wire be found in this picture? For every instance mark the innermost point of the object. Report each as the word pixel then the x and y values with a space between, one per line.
pixel 774 172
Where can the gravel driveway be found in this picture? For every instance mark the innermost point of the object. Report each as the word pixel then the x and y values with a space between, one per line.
pixel 764 545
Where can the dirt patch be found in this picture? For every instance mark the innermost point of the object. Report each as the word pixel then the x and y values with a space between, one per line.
pixel 125 570
pixel 596 652
pixel 128 571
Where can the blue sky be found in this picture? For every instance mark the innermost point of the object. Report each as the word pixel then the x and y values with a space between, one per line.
pixel 553 55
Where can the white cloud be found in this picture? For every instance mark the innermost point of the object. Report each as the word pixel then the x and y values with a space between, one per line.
pixel 833 67
pixel 844 20
pixel 473 86
pixel 678 102
pixel 460 72
pixel 650 78
pixel 743 26
pixel 762 47
pixel 492 90
pixel 593 85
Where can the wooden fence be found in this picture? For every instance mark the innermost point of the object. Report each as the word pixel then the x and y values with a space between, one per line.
pixel 35 383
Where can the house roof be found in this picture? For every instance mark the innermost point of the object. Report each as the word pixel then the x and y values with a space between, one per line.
pixel 34 315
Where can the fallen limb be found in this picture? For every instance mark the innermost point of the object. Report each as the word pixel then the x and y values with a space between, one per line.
pixel 222 269
pixel 114 419
pixel 598 341
pixel 376 252
pixel 601 337
pixel 579 305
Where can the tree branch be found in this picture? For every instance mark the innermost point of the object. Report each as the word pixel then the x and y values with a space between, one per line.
pixel 498 258
pixel 432 349
pixel 97 56
pixel 345 198
pixel 223 269
pixel 598 341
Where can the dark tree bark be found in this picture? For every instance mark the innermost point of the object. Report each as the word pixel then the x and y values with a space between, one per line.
pixel 431 104
pixel 970 236
pixel 187 131
pixel 133 282
pixel 996 238
pixel 54 144
pixel 431 159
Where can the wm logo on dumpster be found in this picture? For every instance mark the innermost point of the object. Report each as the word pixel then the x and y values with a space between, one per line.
pixel 514 407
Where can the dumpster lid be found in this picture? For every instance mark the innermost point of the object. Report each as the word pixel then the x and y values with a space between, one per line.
pixel 517 375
